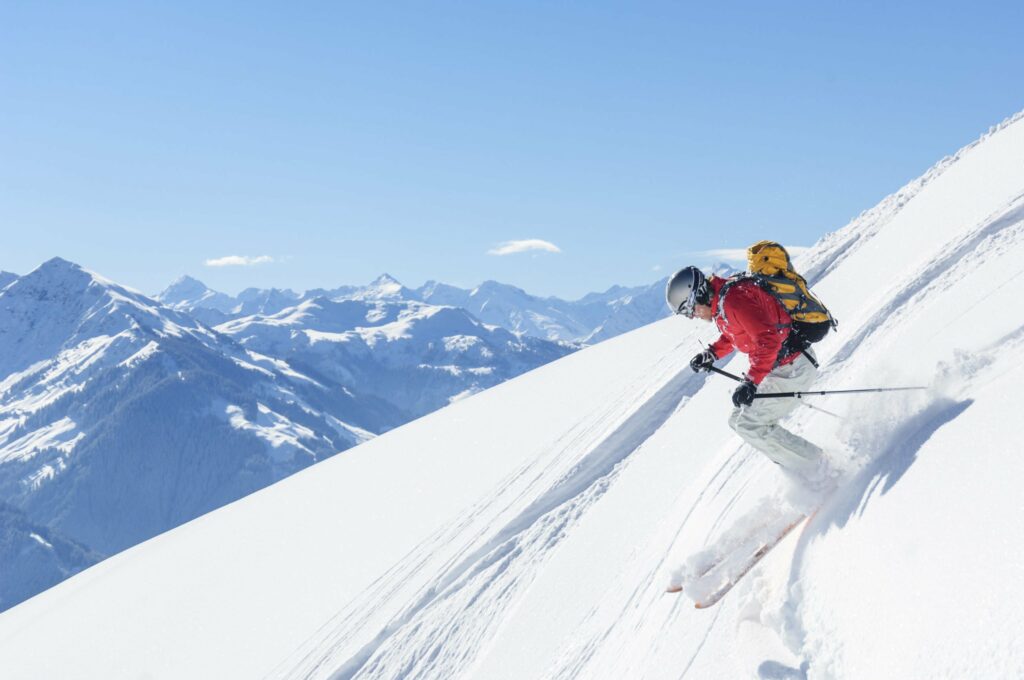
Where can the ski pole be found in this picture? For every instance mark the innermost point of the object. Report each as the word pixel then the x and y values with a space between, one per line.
pixel 727 374
pixel 799 395
pixel 818 408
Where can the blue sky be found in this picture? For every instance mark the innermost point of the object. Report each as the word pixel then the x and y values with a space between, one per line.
pixel 325 143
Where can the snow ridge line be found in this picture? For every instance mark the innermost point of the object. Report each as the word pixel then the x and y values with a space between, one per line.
pixel 833 248
pixel 542 523
pixel 1008 217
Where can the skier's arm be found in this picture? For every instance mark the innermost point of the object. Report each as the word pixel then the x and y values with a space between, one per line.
pixel 721 347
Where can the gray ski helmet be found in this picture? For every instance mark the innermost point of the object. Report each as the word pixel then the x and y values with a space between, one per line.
pixel 686 288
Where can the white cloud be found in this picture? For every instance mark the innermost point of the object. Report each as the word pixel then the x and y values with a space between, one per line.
pixel 239 261
pixel 523 246
pixel 727 254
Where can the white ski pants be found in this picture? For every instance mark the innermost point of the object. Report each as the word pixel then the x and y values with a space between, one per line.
pixel 758 424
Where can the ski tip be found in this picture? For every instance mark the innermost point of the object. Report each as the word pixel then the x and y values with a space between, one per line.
pixel 674 589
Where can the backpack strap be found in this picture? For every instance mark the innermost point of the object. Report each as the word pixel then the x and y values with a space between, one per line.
pixel 740 278
pixel 803 302
pixel 787 348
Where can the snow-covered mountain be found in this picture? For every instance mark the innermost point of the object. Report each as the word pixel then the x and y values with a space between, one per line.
pixel 121 418
pixel 416 356
pixel 591 319
pixel 528 531
pixel 384 287
pixel 188 293
pixel 211 307
pixel 595 317
pixel 417 348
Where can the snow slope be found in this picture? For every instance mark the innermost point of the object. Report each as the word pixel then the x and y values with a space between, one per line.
pixel 528 531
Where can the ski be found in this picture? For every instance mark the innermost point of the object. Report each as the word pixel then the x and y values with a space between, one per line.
pixel 713 599
pixel 707 569
pixel 725 555
pixel 678 588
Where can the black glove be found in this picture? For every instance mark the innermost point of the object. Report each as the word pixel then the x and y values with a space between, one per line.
pixel 744 394
pixel 703 361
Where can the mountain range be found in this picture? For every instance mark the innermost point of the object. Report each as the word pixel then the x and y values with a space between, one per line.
pixel 592 318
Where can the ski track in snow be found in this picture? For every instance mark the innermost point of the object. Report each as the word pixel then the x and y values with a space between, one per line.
pixel 439 635
pixel 648 594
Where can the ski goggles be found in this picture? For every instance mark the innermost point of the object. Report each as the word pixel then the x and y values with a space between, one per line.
pixel 686 307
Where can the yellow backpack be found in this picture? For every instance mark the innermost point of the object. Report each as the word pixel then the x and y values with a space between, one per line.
pixel 769 265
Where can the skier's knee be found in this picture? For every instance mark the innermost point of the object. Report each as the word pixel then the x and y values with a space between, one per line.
pixel 750 429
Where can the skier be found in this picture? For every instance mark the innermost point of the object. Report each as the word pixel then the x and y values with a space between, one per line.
pixel 754 322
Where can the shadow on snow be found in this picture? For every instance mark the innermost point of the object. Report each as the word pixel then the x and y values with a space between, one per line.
pixel 853 498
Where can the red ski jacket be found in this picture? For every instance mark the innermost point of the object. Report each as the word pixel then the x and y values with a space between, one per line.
pixel 754 322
